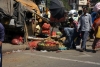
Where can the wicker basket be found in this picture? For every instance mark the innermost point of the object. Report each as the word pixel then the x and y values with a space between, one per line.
pixel 48 48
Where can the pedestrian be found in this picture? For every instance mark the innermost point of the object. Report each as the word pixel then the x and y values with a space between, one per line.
pixel 95 28
pixel 85 24
pixel 76 35
pixel 2 33
pixel 79 14
pixel 93 15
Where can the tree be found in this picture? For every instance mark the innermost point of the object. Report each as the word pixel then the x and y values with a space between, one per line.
pixel 67 6
pixel 98 0
pixel 65 2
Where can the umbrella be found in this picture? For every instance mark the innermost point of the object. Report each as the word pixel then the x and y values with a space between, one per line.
pixel 96 7
pixel 57 9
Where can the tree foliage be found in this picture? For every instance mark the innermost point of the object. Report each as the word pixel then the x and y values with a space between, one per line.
pixel 66 4
pixel 98 0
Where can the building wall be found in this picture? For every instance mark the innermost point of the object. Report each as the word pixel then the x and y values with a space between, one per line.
pixel 73 3
pixel 92 3
pixel 79 3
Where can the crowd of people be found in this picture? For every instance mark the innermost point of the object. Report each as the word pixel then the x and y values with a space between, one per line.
pixel 86 26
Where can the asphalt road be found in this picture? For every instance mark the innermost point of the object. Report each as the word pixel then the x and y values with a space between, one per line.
pixel 66 58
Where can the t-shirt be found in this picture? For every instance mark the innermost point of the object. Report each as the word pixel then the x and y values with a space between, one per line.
pixel 97 21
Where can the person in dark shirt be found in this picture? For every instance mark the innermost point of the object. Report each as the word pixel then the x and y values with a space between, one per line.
pixel 2 33
pixel 91 33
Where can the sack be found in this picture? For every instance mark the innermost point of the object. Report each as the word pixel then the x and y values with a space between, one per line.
pixel 46 26
pixel 33 44
pixel 46 31
pixel 98 32
pixel 53 34
pixel 15 41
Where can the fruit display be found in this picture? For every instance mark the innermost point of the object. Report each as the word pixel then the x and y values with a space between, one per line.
pixel 63 39
pixel 48 44
pixel 33 44
pixel 58 33
pixel 53 34
pixel 61 46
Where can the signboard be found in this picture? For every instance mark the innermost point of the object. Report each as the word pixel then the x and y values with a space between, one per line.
pixel 82 2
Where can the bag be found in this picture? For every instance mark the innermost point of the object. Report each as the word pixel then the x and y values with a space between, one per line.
pixel 46 32
pixel 33 44
pixel 98 32
pixel 46 26
pixel 15 41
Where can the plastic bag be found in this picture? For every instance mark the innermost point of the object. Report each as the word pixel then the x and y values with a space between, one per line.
pixel 96 7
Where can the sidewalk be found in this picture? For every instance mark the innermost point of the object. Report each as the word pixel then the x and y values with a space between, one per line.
pixel 7 47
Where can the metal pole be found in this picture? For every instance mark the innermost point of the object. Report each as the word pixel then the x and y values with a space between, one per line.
pixel 46 4
pixel 46 7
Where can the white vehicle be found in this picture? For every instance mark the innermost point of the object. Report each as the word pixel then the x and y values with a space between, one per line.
pixel 73 14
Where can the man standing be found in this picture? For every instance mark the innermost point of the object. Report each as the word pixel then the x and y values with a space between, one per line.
pixel 85 24
pixel 2 33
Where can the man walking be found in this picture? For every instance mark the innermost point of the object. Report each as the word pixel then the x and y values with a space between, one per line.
pixel 85 24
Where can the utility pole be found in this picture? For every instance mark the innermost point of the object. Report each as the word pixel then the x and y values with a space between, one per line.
pixel 46 7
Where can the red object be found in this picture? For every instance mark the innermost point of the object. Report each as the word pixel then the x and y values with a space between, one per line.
pixel 53 33
pixel 33 44
pixel 57 20
pixel 46 31
pixel 19 38
pixel 97 44
pixel 50 42
pixel 15 41
pixel 46 26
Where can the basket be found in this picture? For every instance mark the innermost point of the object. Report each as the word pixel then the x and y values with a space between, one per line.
pixel 48 48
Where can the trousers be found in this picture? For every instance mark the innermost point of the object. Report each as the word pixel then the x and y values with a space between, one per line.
pixel 84 35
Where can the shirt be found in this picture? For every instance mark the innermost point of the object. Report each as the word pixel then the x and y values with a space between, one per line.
pixel 96 22
pixel 2 33
pixel 93 15
pixel 85 22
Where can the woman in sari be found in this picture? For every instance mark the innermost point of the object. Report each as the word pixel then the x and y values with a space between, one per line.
pixel 95 28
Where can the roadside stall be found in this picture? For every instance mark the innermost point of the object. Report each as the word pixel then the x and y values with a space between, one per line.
pixel 20 20
pixel 19 17
pixel 52 42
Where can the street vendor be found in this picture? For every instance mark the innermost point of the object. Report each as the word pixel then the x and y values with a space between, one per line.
pixel 69 32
